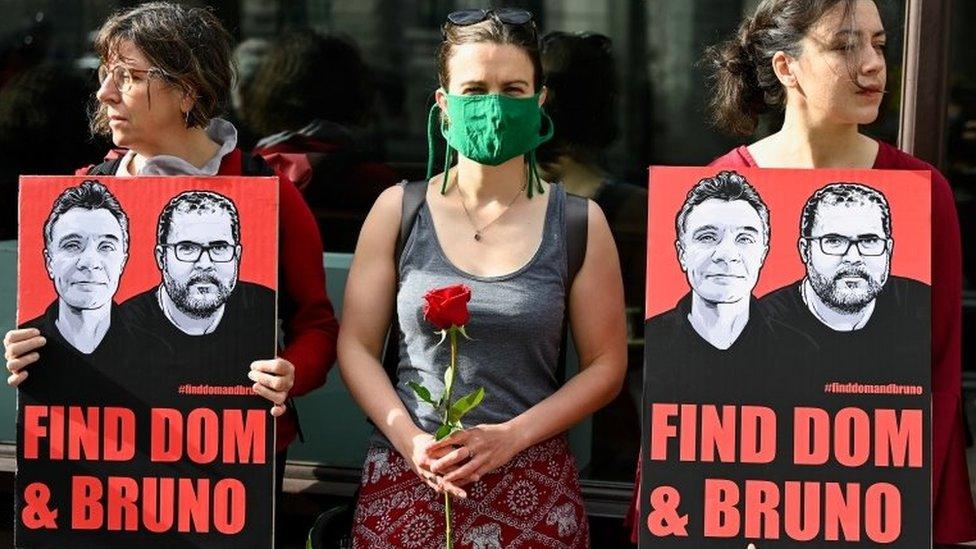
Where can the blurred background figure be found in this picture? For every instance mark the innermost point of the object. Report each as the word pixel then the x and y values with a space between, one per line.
pixel 310 99
pixel 40 98
pixel 249 54
pixel 581 77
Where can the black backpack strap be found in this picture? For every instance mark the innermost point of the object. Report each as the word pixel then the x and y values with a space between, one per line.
pixel 576 219
pixel 254 165
pixel 251 164
pixel 414 196
pixel 577 209
pixel 612 197
pixel 109 167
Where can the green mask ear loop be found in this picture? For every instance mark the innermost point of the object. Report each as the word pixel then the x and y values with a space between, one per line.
pixel 434 124
pixel 447 166
pixel 533 174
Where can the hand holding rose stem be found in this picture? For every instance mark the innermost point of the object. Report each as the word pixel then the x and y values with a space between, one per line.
pixel 446 308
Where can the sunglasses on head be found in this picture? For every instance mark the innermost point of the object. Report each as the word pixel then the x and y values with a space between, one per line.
pixel 509 16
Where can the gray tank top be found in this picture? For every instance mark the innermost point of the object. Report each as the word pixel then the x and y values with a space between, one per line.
pixel 516 326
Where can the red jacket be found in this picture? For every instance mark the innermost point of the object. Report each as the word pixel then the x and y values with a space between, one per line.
pixel 954 517
pixel 309 322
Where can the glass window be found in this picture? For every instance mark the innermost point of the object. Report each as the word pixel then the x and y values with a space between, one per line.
pixel 656 115
pixel 960 169
pixel 960 164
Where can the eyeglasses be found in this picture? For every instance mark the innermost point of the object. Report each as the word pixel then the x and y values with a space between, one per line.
pixel 190 252
pixel 122 75
pixel 509 16
pixel 835 244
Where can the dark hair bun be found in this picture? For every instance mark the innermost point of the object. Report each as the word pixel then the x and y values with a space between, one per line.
pixel 741 68
pixel 737 99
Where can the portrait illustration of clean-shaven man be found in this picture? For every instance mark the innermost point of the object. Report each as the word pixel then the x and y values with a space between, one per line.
pixel 85 250
pixel 201 317
pixel 722 239
pixel 716 346
pixel 848 301
pixel 86 245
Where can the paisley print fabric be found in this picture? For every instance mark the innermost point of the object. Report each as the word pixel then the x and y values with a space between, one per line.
pixel 533 501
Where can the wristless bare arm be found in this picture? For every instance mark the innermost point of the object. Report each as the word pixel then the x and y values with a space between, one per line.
pixel 367 310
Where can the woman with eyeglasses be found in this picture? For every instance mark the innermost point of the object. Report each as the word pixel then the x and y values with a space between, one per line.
pixel 165 78
pixel 490 223
pixel 822 64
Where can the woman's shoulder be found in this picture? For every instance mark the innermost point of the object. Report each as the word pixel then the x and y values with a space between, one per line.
pixel 107 166
pixel 738 157
pixel 892 158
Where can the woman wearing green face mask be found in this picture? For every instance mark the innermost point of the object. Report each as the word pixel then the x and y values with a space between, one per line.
pixel 488 222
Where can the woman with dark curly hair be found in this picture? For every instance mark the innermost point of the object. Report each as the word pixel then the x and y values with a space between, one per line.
pixel 822 65
pixel 309 101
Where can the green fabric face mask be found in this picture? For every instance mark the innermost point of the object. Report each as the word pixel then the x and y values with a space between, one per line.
pixel 490 129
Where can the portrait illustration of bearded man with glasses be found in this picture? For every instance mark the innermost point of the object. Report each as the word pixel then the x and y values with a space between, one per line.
pixel 201 311
pixel 849 302
pixel 198 252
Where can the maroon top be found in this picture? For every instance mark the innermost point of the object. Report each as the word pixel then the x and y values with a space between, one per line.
pixel 308 320
pixel 954 517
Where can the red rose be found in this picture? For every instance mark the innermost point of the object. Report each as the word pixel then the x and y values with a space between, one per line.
pixel 448 306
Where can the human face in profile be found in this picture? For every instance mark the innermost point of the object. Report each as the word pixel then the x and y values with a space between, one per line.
pixel 199 261
pixel 85 257
pixel 148 110
pixel 722 249
pixel 847 281
pixel 841 71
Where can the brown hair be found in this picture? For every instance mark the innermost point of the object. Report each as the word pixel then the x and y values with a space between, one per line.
pixel 525 37
pixel 581 77
pixel 745 85
pixel 189 45
pixel 308 76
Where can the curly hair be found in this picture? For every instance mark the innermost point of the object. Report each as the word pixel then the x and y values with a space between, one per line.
pixel 744 85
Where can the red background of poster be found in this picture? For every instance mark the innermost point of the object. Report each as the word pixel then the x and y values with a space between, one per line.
pixel 143 199
pixel 784 192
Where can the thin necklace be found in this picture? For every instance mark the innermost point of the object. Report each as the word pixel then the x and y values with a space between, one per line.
pixel 479 232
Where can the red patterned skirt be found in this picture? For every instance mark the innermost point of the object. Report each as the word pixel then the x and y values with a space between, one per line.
pixel 532 501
